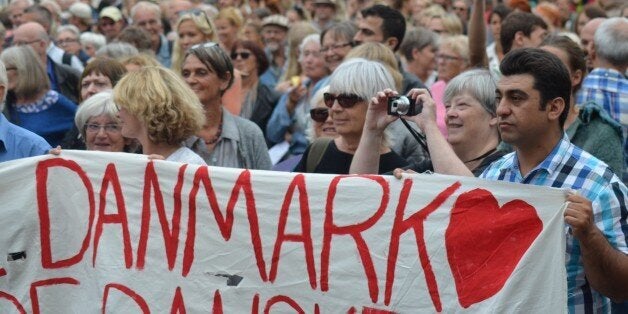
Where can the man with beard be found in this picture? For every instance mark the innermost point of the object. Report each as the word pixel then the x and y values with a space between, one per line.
pixel 274 33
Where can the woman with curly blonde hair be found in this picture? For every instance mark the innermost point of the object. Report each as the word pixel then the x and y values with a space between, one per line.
pixel 159 110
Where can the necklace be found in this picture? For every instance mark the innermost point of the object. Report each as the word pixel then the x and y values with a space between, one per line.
pixel 216 137
pixel 482 156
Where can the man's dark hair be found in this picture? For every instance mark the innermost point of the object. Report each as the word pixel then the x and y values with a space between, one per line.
pixel 502 11
pixel 42 15
pixel 518 22
pixel 393 22
pixel 551 77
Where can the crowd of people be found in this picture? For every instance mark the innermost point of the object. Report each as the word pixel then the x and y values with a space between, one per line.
pixel 534 92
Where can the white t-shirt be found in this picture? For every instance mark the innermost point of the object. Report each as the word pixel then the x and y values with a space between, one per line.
pixel 186 156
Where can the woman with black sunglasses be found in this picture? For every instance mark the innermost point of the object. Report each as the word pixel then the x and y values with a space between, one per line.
pixel 259 99
pixel 351 86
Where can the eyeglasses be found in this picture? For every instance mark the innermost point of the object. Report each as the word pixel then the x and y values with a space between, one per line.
pixel 208 45
pixel 447 58
pixel 197 13
pixel 319 114
pixel 335 47
pixel 344 100
pixel 24 43
pixel 109 128
pixel 63 42
pixel 461 9
pixel 244 55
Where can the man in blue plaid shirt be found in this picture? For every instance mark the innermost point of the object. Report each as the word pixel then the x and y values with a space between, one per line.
pixel 532 105
pixel 606 84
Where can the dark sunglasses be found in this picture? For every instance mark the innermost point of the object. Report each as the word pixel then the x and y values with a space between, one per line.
pixel 344 100
pixel 243 55
pixel 319 114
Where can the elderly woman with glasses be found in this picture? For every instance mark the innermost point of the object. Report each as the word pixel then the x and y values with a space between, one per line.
pixel 351 86
pixel 471 121
pixel 290 117
pixel 225 140
pixel 99 75
pixel 68 39
pixel 99 125
pixel 160 111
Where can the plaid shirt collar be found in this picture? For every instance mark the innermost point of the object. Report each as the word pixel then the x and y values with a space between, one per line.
pixel 549 165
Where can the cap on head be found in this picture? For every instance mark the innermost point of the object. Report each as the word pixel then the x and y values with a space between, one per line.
pixel 112 13
pixel 81 10
pixel 276 20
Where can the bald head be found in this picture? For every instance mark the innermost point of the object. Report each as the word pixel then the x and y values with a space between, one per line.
pixel 586 39
pixel 33 34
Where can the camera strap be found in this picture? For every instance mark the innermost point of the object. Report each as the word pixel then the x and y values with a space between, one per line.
pixel 417 136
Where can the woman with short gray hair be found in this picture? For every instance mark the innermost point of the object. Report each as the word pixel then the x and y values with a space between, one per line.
pixel 351 87
pixel 471 119
pixel 99 125
pixel 92 42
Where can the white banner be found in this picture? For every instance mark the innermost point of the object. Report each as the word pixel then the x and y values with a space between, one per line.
pixel 91 232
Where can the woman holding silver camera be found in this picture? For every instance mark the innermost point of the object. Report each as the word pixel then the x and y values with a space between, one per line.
pixel 350 86
pixel 471 122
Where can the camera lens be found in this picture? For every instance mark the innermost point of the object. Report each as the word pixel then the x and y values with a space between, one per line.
pixel 402 104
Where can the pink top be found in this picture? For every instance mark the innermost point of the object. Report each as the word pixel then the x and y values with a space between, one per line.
pixel 438 93
pixel 232 98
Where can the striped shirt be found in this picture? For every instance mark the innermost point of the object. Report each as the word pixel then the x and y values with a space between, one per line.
pixel 568 166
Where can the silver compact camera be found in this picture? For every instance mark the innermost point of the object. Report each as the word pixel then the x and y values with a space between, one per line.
pixel 404 106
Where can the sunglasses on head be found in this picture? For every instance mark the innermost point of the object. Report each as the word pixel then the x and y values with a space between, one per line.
pixel 197 13
pixel 244 55
pixel 207 45
pixel 344 100
pixel 319 114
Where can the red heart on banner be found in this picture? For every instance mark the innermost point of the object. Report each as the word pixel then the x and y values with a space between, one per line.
pixel 485 242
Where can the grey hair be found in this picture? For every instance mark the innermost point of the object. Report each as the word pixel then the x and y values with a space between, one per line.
pixel 96 105
pixel 95 39
pixel 145 5
pixel 214 58
pixel 611 41
pixel 479 83
pixel 3 82
pixel 361 77
pixel 117 50
pixel 68 28
pixel 311 38
pixel 417 38
pixel 344 30
pixel 31 73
